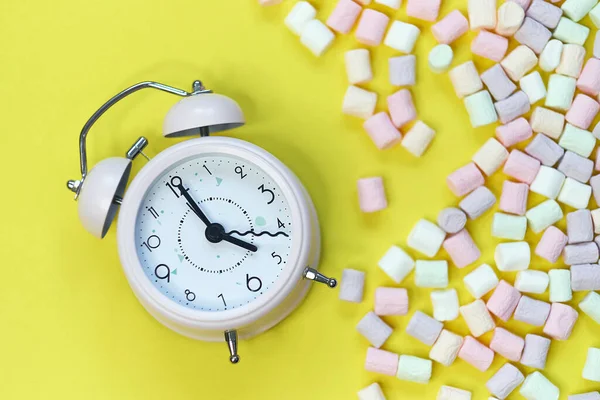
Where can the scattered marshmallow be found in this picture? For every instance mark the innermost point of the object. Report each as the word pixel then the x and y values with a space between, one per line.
pixel 491 156
pixel 301 14
pixel 580 228
pixel 505 381
pixel 590 305
pixel 533 86
pixel 561 90
pixel 596 220
pixel 414 369
pixel 575 194
pixel 512 256
pixel 545 214
pixel 585 396
pixel 537 387
pixel 371 27
pixel 551 55
pixel 418 139
pixel 431 274
pixel 359 102
pixel 490 46
pixel 316 37
pixel 427 10
pixel 577 140
pixel 465 179
pixel 561 321
pixel 452 393
pixel 352 285
pixel 506 226
pixel 403 70
pixel 533 35
pixel 585 277
pixel 402 37
pixel 478 202
pixel 391 301
pixel 595 183
pixel 576 167
pixel 371 392
pixel 440 58
pixel 381 361
pixel 571 32
pixel 591 370
pixel 595 16
pixel 426 237
pixel 519 62
pixel 513 107
pixel 344 16
pixel 583 111
pixel 577 9
pixel 401 108
pixel 482 14
pixel 446 348
pixel 545 13
pixel 589 80
pixel 450 28
pixel 521 167
pixel 481 281
pixel 382 131
pixel 424 328
pixel 452 220
pixel 531 281
pixel 465 79
pixel 510 18
pixel 551 244
pixel 513 132
pixel 548 122
pixel 393 4
pixel 358 66
pixel 477 317
pixel 372 328
pixel 531 311
pixel 462 249
pixel 571 61
pixel 507 344
pixel 548 182
pixel 504 301
pixel 396 264
pixel 535 352
pixel 560 285
pixel 481 109
pixel 514 197
pixel 476 354
pixel 371 194
pixel 497 82
pixel 596 50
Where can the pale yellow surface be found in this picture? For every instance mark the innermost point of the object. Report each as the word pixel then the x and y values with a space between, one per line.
pixel 71 327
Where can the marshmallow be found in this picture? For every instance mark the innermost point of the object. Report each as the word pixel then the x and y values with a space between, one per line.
pixel 358 66
pixel 371 27
pixel 506 344
pixel 551 244
pixel 451 393
pixel 577 140
pixel 545 13
pixel 506 226
pixel 533 35
pixel 372 328
pixel 548 182
pixel 382 131
pixel 490 46
pixel 548 122
pixel 561 90
pixel 596 134
pixel 497 82
pixel 590 305
pixel 589 80
pixel 533 86
pixel 344 16
pixel 481 281
pixel 513 107
pixel 477 317
pixel 513 132
pixel 531 311
pixel 465 79
pixel 504 301
pixel 403 70
pixel 507 379
pixel 591 370
pixel 531 281
pixel 381 361
pixel 482 14
pixel 571 32
pixel 596 220
pixel 371 392
pixel 595 182
pixel 445 304
pixel 519 62
pixel 521 167
pixel 402 37
pixel 426 237
pixel 535 352
pixel 431 274
pixel 538 387
pixel 450 28
pixel 426 10
pixel 414 369
pixel 514 197
pixel 560 285
pixel 352 285
pixel 451 220
pixel 510 18
pixel 391 301
pixel 301 14
pixel 465 179
pixel 480 109
pixel 580 228
pixel 576 167
pixel 577 9
pixel 396 264
pixel 440 58
pixel 401 108
pixel 551 55
pixel 476 354
pixel 585 396
pixel 478 202
pixel 316 37
pixel 424 328
pixel 571 60
pixel 462 249
pixel 561 321
pixel 491 156
pixel 393 4
pixel 513 256
pixel 445 350
pixel 585 277
pixel 595 16
pixel 418 139
pixel 359 102
pixel 575 194
pixel 545 214
pixel 583 111
pixel 596 50
pixel 371 194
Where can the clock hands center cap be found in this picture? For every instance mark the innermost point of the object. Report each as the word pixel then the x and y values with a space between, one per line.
pixel 214 233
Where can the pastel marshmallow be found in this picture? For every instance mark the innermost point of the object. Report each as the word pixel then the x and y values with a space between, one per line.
pixel 431 274
pixel 510 18
pixel 401 108
pixel 561 321
pixel 535 352
pixel 299 16
pixel 532 312
pixel 418 138
pixel 450 28
pixel 506 226
pixel 521 167
pixel 571 60
pixel 596 220
pixel 531 281
pixel 427 10
pixel 585 396
pixel 577 140
pixel 465 79
pixel 497 82
pixel 476 354
pixel 551 244
pixel 589 80
pixel 561 90
pixel 513 107
pixel 591 369
pixel 359 102
pixel 424 328
pixel 519 62
pixel 440 58
pixel 381 361
pixel 344 16
pixel 548 182
pixel 548 122
pixel 446 348
pixel 480 109
pixel 391 301
pixel 585 277
pixel 505 381
pixel 537 387
pixel 575 194
pixel 571 32
pixel 576 167
pixel 490 157
pixel 371 27
pixel 583 111
pixel 596 51
pixel 513 132
pixel 451 220
pixel 543 215
pixel 452 393
pixel 414 369
pixel 489 45
pixel 316 37
pixel 393 4
pixel 545 13
pixel 533 86
pixel 478 202
pixel 595 16
pixel 533 35
pixel 382 131
pixel 371 194
pixel 504 301
pixel 358 66
pixel 577 9
pixel 551 55
pixel 580 228
pixel 465 179
pixel 403 70
pixel 371 392
pixel 512 256
pixel 507 344
pixel 482 14
pixel 462 249
pixel 396 264
pixel 560 285
pixel 374 329
pixel 402 36
pixel 590 305
pixel 352 285
pixel 595 184
pixel 514 197
pixel 481 281
pixel 477 317
pixel 596 133
pixel 426 237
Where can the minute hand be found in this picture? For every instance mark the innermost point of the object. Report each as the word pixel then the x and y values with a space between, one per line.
pixel 193 205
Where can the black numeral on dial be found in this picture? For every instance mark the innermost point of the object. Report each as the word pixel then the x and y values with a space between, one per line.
pixel 253 283
pixel 189 295
pixel 240 171
pixel 222 298
pixel 151 243
pixel 176 182
pixel 162 271
pixel 278 257
pixel 263 190
pixel 280 224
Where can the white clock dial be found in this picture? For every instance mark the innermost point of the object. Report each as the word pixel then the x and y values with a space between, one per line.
pixel 173 245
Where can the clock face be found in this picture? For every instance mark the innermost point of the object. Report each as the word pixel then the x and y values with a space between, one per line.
pixel 213 232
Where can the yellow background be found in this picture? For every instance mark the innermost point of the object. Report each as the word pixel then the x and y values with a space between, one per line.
pixel 71 327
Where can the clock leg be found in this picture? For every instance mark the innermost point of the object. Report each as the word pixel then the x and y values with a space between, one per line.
pixel 231 338
pixel 313 275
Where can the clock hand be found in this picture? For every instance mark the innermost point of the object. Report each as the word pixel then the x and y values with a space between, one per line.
pixel 193 205
pixel 215 233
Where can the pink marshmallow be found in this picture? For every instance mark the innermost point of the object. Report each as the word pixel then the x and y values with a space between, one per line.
pixel 589 80
pixel 462 249
pixel 476 354
pixel 490 46
pixel 372 27
pixel 450 28
pixel 580 228
pixel 391 301
pixel 561 321
pixel 401 108
pixel 426 10
pixel 497 82
pixel 544 149
pixel 521 167
pixel 344 16
pixel 597 163
pixel 545 13
pixel 535 352
pixel 508 345
pixel 533 35
pixel 382 131
pixel 583 111
pixel 507 379
pixel 381 361
pixel 514 198
pixel 577 167
pixel 504 301
pixel 514 132
pixel 465 179
pixel 513 107
pixel 585 277
pixel 531 311
pixel 551 245
pixel 371 194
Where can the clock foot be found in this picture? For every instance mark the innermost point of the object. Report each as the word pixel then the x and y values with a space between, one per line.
pixel 313 275
pixel 231 338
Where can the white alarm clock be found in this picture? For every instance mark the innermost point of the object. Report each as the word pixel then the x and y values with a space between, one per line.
pixel 216 236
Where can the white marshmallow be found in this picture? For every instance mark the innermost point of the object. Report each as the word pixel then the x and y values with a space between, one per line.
pixel 514 256
pixel 543 215
pixel 426 237
pixel 481 109
pixel 548 122
pixel 548 182
pixel 477 317
pixel 560 285
pixel 446 348
pixel 591 370
pixel 358 66
pixel 595 16
pixel 431 274
pixel 538 387
pixel 571 61
pixel 371 392
pixel 396 264
pixel 551 55
pixel 352 285
pixel 440 58
pixel 590 305
pixel 561 90
pixel 317 37
pixel 575 194
pixel 596 220
pixel 519 62
pixel 506 226
pixel 531 281
pixel 359 102
pixel 577 140
pixel 481 281
pixel 374 329
pixel 301 14
pixel 451 393
pixel 402 37
pixel 465 79
pixel 414 369
pixel 445 304
pixel 577 9
pixel 482 14
pixel 533 86
pixel 395 4
pixel 418 138
pixel 510 18
pixel 490 157
pixel 571 32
